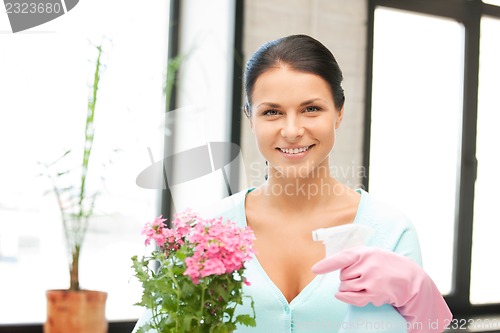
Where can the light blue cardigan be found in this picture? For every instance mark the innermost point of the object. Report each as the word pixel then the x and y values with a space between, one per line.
pixel 316 309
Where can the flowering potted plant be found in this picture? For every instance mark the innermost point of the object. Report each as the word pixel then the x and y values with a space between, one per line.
pixel 198 279
pixel 76 310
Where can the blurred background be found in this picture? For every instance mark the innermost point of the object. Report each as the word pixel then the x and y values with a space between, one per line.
pixel 421 79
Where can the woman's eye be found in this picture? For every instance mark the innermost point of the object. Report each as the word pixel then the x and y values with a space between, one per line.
pixel 311 109
pixel 270 113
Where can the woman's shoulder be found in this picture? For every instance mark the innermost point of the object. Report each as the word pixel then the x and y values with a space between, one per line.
pixel 373 210
pixel 393 229
pixel 231 208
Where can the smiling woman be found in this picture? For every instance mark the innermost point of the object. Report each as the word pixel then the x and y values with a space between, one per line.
pixel 295 104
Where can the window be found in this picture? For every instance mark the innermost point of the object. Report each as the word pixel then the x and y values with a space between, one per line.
pixel 431 146
pixel 486 273
pixel 416 120
pixel 205 108
pixel 45 72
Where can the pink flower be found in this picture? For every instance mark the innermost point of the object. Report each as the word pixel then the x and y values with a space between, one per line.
pixel 155 231
pixel 193 269
pixel 212 266
pixel 183 222
pixel 219 248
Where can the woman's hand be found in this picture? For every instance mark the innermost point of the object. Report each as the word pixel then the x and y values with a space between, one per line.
pixel 372 275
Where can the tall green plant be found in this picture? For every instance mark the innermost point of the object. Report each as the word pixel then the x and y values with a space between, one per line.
pixel 76 204
pixel 173 66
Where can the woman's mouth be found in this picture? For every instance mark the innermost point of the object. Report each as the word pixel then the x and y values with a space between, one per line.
pixel 295 151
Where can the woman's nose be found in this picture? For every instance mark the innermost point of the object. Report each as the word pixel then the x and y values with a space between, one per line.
pixel 292 129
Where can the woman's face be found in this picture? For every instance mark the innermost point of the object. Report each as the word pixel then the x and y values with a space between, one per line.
pixel 294 119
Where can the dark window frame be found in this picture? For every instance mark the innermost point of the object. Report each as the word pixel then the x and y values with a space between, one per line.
pixel 469 13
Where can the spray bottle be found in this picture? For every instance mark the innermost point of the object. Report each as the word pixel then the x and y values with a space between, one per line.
pixel 369 318
pixel 342 237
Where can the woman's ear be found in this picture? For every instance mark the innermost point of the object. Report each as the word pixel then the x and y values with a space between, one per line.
pixel 249 116
pixel 340 116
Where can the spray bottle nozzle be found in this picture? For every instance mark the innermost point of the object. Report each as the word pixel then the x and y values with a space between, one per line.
pixel 342 237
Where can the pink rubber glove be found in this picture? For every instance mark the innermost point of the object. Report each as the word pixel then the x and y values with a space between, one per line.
pixel 372 275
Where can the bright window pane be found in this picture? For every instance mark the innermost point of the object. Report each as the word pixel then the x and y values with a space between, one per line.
pixel 204 104
pixel 43 102
pixel 485 246
pixel 492 2
pixel 415 130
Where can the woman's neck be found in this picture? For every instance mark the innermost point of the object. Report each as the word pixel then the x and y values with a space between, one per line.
pixel 296 193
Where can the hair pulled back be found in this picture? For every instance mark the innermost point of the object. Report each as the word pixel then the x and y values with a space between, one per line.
pixel 301 53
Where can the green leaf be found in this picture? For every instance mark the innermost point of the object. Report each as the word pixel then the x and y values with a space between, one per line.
pixel 187 323
pixel 246 320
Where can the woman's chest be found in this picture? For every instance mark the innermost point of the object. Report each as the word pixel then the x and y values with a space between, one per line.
pixel 287 255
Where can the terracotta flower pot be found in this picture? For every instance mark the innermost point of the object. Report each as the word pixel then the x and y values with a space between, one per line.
pixel 76 311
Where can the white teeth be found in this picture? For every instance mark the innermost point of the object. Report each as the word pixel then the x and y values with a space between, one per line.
pixel 295 150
